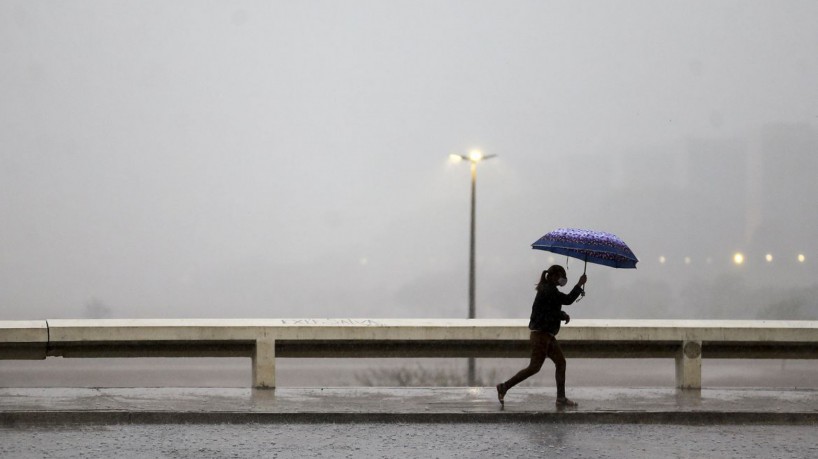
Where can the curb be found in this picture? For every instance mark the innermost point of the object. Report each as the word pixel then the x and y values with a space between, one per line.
pixel 73 418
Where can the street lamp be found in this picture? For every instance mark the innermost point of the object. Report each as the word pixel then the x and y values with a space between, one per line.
pixel 474 157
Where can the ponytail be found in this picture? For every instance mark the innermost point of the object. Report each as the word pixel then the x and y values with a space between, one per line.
pixel 543 281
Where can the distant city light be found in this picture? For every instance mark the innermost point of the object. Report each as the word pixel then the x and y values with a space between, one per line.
pixel 662 259
pixel 801 258
pixel 738 258
pixel 687 260
pixel 475 155
pixel 769 257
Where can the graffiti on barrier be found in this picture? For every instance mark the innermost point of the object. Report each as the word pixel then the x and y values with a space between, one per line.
pixel 355 322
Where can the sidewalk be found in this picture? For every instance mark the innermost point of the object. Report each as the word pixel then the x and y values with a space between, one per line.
pixel 25 406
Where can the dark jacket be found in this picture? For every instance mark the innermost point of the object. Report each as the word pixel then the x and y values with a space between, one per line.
pixel 546 313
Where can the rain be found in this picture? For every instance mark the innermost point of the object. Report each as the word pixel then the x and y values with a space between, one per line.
pixel 294 160
pixel 278 159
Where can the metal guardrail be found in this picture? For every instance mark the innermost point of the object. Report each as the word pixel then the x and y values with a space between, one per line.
pixel 264 340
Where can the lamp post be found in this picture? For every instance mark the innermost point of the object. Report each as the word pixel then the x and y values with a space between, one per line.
pixel 473 158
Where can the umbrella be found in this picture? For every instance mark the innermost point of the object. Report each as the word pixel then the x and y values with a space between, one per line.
pixel 590 246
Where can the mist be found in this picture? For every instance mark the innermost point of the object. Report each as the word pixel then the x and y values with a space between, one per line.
pixel 289 159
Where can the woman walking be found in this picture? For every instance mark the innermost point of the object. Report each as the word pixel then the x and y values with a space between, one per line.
pixel 546 316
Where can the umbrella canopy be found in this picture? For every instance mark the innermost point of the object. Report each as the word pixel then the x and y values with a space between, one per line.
pixel 590 246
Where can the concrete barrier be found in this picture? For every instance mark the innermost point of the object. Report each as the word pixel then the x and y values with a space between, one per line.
pixel 23 339
pixel 265 340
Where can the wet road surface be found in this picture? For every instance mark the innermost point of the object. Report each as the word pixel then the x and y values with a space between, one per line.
pixel 491 440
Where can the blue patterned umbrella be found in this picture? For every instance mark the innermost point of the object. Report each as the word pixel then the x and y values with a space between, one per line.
pixel 590 246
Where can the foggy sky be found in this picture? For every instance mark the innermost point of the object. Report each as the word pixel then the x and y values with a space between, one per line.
pixel 289 159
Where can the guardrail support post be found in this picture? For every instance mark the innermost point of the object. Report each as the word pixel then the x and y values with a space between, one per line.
pixel 264 364
pixel 689 365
